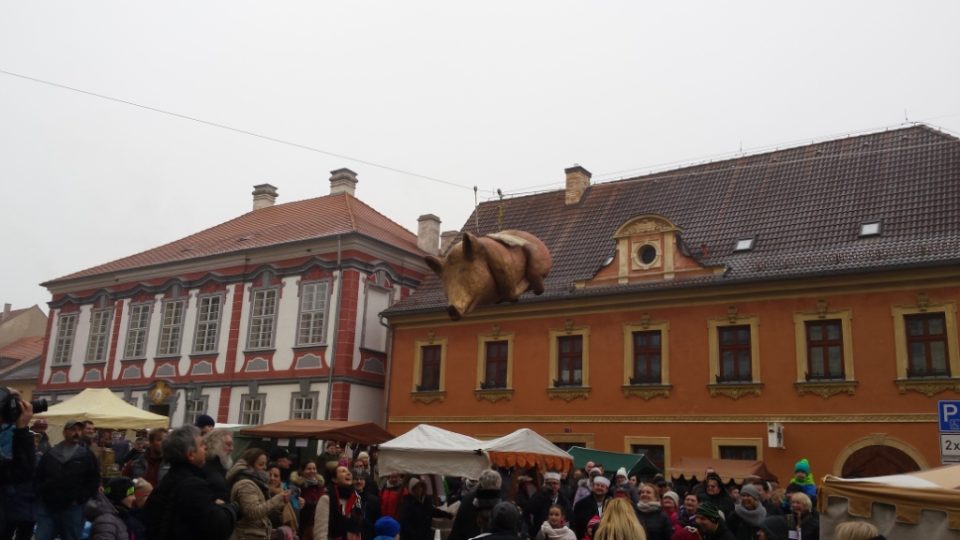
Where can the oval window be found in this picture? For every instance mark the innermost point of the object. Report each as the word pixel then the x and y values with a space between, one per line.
pixel 648 254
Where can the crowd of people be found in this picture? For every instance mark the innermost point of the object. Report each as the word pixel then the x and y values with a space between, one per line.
pixel 185 483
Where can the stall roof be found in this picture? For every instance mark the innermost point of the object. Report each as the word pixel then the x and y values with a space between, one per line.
pixel 105 409
pixel 638 464
pixel 328 430
pixel 728 469
pixel 910 493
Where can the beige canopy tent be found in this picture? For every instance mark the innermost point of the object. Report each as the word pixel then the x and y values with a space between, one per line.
pixel 923 504
pixel 104 408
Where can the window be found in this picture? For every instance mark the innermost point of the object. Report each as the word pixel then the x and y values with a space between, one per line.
pixel 171 328
pixel 925 337
pixel 251 408
pixel 656 449
pixel 871 228
pixel 99 335
pixel 824 350
pixel 137 328
pixel 744 448
pixel 495 364
pixel 313 306
pixel 653 452
pixel 65 331
pixel 927 345
pixel 208 323
pixel 430 360
pixel 735 355
pixel 262 319
pixel 194 408
pixel 646 357
pixel 748 453
pixel 569 361
pixel 744 244
pixel 303 406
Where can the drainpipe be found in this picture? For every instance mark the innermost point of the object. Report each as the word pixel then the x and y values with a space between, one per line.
pixel 332 349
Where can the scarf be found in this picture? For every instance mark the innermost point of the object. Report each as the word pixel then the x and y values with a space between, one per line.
pixel 753 517
pixel 648 507
pixel 561 533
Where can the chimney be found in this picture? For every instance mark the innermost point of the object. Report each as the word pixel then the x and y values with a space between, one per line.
pixel 578 180
pixel 446 239
pixel 6 311
pixel 428 233
pixel 264 195
pixel 343 181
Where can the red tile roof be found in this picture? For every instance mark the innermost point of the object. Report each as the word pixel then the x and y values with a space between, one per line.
pixel 309 219
pixel 26 348
pixel 804 207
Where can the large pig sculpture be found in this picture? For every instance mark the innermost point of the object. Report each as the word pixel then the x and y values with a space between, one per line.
pixel 492 269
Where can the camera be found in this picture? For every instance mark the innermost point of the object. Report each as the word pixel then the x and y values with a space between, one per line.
pixel 10 406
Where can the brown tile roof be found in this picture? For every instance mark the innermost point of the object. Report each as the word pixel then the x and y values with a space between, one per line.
pixel 309 219
pixel 803 205
pixel 19 352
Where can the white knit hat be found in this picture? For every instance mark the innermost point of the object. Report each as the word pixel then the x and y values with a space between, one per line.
pixel 601 480
pixel 551 476
pixel 622 471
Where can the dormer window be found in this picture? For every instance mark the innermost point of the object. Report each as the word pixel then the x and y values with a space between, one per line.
pixel 744 244
pixel 870 228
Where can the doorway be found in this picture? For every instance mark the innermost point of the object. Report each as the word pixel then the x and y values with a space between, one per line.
pixel 160 409
pixel 878 460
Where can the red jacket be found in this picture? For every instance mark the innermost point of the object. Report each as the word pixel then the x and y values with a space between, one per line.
pixel 390 500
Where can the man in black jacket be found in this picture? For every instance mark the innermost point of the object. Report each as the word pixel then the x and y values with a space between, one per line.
pixel 20 466
pixel 539 507
pixel 67 477
pixel 184 505
pixel 593 505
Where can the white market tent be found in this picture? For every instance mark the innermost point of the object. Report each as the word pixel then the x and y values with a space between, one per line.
pixel 430 450
pixel 105 409
pixel 923 504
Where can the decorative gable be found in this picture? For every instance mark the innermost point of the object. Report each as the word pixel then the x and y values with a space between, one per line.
pixel 648 248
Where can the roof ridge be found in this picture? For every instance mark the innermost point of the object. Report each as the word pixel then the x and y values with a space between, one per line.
pixel 353 218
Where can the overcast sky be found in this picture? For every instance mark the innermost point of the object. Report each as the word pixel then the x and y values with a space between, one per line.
pixel 493 94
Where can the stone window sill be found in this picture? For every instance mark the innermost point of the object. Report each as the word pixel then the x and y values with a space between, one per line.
pixel 569 393
pixel 928 387
pixel 825 389
pixel 735 390
pixel 428 396
pixel 493 395
pixel 646 391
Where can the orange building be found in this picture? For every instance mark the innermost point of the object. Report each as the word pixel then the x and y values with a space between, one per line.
pixel 809 293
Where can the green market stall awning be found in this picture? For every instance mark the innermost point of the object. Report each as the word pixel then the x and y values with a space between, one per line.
pixel 637 464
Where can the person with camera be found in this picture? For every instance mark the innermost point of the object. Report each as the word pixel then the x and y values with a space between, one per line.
pixel 67 477
pixel 17 461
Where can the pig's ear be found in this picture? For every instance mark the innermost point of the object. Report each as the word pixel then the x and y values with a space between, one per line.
pixel 471 246
pixel 435 264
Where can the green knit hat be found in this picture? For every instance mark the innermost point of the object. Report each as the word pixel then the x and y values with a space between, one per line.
pixel 802 466
pixel 710 511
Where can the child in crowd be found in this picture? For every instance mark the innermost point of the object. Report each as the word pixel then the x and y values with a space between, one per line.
pixel 555 527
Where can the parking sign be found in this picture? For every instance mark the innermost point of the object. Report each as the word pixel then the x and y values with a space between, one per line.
pixel 949 413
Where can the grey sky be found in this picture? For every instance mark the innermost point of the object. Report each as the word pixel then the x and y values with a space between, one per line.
pixel 494 94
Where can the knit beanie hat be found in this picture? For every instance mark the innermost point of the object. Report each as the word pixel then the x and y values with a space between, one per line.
pixel 672 495
pixel 118 489
pixel 751 490
pixel 802 466
pixel 386 526
pixel 709 511
pixel 622 471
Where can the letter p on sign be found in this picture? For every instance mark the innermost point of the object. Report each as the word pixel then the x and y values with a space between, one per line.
pixel 949 413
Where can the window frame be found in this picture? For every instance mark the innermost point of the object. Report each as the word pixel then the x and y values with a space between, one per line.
pixel 245 400
pixel 131 331
pixel 926 339
pixel 294 410
pixel 554 374
pixel 418 365
pixel 949 311
pixel 630 441
pixel 483 342
pixel 254 317
pixel 736 348
pixel 713 343
pixel 174 350
pixel 323 311
pixel 207 323
pixel 204 399
pixel 754 442
pixel 66 337
pixel 99 338
pixel 629 356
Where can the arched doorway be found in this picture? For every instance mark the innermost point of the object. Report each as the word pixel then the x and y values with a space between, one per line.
pixel 878 460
